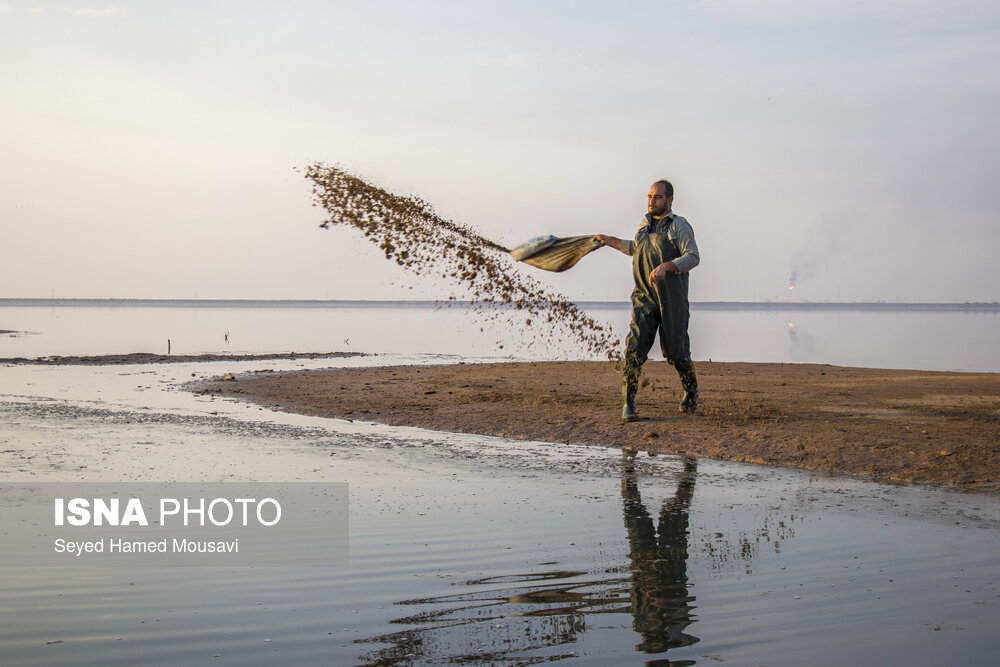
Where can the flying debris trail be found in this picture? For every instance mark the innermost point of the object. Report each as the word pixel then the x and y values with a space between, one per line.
pixel 411 234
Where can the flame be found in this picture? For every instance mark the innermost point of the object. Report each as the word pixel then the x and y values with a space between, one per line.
pixel 791 326
pixel 791 287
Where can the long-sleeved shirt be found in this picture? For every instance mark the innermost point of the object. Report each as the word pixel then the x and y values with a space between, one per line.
pixel 680 233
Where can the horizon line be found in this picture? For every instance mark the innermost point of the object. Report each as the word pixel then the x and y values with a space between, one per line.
pixel 764 304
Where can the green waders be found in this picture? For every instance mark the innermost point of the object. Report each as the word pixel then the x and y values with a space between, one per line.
pixel 658 308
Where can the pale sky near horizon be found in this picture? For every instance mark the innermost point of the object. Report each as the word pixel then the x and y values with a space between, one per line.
pixel 148 148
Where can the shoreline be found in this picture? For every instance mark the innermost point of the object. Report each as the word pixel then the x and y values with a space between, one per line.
pixel 895 426
pixel 777 304
pixel 151 358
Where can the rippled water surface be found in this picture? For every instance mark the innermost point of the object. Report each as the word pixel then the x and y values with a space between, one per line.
pixel 472 550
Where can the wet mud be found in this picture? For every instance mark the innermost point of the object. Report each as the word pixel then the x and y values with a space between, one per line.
pixel 890 425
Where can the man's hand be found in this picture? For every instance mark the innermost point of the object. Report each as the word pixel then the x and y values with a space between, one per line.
pixel 611 241
pixel 660 272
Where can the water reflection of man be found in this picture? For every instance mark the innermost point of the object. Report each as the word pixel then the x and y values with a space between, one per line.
pixel 660 604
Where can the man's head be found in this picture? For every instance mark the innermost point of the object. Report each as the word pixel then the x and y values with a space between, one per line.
pixel 660 198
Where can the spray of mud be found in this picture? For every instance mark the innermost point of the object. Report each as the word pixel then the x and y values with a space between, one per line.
pixel 410 233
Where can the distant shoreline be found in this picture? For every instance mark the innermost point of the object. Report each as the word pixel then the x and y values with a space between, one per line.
pixel 968 306
pixel 150 358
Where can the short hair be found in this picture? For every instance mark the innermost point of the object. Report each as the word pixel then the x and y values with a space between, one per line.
pixel 668 187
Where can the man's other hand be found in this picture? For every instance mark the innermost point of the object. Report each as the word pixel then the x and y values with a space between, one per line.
pixel 660 272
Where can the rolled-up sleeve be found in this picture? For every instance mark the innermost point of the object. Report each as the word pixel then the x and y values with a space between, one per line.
pixel 628 247
pixel 683 238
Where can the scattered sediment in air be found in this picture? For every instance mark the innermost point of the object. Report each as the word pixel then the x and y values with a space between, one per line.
pixel 414 236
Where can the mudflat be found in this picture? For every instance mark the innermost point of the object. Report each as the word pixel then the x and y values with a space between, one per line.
pixel 151 358
pixel 897 426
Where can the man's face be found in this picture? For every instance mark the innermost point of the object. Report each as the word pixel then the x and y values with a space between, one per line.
pixel 657 202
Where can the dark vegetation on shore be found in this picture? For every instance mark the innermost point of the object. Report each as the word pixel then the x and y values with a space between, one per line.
pixel 150 358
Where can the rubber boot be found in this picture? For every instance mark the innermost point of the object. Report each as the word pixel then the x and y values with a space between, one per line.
pixel 689 381
pixel 628 398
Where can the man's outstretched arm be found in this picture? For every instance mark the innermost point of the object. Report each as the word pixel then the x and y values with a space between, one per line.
pixel 614 242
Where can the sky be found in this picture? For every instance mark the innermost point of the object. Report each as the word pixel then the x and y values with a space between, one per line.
pixel 851 148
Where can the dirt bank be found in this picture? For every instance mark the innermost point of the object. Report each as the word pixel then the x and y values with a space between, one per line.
pixel 891 425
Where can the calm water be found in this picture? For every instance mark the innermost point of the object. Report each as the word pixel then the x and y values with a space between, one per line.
pixel 928 340
pixel 471 550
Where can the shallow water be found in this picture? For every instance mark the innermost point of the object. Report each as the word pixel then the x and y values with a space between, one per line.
pixel 924 340
pixel 475 550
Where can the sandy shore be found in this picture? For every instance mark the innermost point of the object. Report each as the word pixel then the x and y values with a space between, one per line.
pixel 891 425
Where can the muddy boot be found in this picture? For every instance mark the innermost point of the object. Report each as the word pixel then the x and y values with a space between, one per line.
pixel 685 369
pixel 628 399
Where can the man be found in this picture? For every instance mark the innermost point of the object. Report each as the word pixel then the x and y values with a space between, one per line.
pixel 663 252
